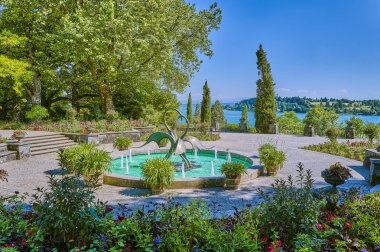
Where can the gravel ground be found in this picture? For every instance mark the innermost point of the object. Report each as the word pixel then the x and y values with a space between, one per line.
pixel 25 175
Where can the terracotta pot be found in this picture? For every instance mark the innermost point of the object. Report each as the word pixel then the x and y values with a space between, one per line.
pixel 98 182
pixel 272 171
pixel 232 183
pixel 36 128
pixel 156 189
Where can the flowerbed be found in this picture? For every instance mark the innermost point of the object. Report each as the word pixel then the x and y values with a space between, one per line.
pixel 66 217
pixel 352 150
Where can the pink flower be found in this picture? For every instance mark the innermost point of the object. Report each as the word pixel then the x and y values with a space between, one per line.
pixel 264 239
pixel 318 226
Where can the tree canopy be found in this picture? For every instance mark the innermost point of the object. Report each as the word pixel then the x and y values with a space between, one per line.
pixel 114 55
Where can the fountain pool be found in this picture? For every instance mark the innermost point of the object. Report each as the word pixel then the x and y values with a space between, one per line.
pixel 205 171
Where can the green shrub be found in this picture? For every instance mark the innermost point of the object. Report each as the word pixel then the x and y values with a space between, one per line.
pixel 163 142
pixel 332 133
pixel 353 150
pixel 289 123
pixel 85 159
pixel 291 209
pixel 271 158
pixel 66 212
pixel 36 113
pixel 371 130
pixel 233 127
pixel 233 169
pixel 158 172
pixel 122 143
pixel 205 137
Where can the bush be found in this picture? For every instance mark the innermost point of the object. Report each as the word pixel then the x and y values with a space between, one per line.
pixel 233 170
pixel 353 150
pixel 66 212
pixel 271 158
pixel 291 209
pixel 205 137
pixel 158 172
pixel 36 113
pixel 371 131
pixel 332 133
pixel 122 143
pixel 163 142
pixel 289 123
pixel 85 159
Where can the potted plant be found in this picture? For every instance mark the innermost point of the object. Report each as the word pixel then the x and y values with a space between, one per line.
pixel 336 175
pixel 122 143
pixel 158 173
pixel 233 172
pixel 18 134
pixel 271 158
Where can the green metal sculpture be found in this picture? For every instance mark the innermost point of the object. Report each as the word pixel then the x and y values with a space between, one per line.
pixel 177 145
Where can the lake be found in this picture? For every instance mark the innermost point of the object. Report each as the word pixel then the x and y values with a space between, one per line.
pixel 234 116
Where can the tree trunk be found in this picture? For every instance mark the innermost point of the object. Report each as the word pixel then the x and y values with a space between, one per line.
pixel 36 98
pixel 75 97
pixel 106 98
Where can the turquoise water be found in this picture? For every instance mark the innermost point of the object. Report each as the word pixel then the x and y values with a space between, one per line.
pixel 202 165
pixel 234 116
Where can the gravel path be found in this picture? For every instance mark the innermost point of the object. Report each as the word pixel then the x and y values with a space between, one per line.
pixel 26 175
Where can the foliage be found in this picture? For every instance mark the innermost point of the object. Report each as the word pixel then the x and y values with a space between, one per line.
pixel 197 115
pixel 2 139
pixel 289 123
pixel 332 133
pixel 357 124
pixel 233 170
pixel 321 119
pixel 100 54
pixel 291 209
pixel 3 175
pixel 36 113
pixel 206 105
pixel 217 114
pixel 205 137
pixel 271 158
pixel 244 118
pixel 85 159
pixel 158 172
pixel 353 150
pixel 371 131
pixel 164 142
pixel 66 212
pixel 122 143
pixel 189 110
pixel 337 170
pixel 265 103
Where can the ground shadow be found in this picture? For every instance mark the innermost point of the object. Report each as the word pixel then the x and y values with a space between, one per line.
pixel 57 171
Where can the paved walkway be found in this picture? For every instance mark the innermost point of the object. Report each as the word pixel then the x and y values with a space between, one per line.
pixel 26 175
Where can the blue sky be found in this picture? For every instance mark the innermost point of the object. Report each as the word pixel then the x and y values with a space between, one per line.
pixel 316 48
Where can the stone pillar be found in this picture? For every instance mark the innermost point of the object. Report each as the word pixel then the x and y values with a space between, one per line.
pixel 22 149
pixel 309 131
pixel 243 127
pixel 350 133
pixel 273 128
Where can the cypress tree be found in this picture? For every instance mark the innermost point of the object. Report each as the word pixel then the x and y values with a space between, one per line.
pixel 189 113
pixel 206 105
pixel 197 115
pixel 244 118
pixel 265 103
pixel 217 114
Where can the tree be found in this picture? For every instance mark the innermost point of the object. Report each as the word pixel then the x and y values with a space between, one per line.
pixel 206 105
pixel 321 119
pixel 265 103
pixel 217 114
pixel 189 112
pixel 244 118
pixel 197 115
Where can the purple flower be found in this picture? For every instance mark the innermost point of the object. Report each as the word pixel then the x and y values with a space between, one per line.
pixel 363 250
pixel 157 240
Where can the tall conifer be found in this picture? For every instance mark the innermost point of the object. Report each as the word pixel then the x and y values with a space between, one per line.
pixel 265 103
pixel 206 105
pixel 189 113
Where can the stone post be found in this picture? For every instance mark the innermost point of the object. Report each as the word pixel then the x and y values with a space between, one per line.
pixel 273 128
pixel 22 149
pixel 350 133
pixel 309 131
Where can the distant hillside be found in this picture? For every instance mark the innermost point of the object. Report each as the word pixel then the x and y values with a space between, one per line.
pixel 302 105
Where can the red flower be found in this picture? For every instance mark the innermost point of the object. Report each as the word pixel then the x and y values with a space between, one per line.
pixel 347 224
pixel 318 226
pixel 264 239
pixel 23 241
pixel 109 209
pixel 279 243
pixel 271 247
pixel 270 223
pixel 30 232
pixel 84 243
pixel 120 218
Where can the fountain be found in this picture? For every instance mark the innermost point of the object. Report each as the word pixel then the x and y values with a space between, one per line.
pixel 196 167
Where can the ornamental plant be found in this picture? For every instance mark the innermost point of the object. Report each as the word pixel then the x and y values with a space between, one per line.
pixel 371 131
pixel 271 158
pixel 158 172
pixel 37 113
pixel 332 133
pixel 122 143
pixel 337 170
pixel 233 169
pixel 163 142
